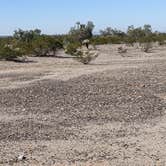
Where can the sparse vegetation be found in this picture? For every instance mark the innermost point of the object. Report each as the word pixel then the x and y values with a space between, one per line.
pixel 78 36
pixel 82 83
pixel 85 56
pixel 30 42
pixel 71 47
pixel 33 42
pixel 133 35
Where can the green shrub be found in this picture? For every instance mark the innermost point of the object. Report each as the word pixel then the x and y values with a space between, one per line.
pixel 9 53
pixel 85 56
pixel 45 46
pixel 99 40
pixel 71 48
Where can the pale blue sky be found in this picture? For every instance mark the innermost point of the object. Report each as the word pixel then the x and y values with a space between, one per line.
pixel 57 16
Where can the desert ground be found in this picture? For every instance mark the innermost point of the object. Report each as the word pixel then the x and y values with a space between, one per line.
pixel 59 112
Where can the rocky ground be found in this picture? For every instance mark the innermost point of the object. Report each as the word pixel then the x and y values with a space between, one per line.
pixel 60 112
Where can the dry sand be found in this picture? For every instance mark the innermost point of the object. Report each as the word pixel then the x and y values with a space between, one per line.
pixel 59 112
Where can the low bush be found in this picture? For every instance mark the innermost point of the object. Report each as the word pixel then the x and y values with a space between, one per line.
pixel 8 52
pixel 45 46
pixel 85 56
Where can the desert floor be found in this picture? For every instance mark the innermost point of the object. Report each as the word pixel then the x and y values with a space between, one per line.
pixel 111 112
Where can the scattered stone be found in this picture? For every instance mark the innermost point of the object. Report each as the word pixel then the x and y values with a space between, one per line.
pixel 21 157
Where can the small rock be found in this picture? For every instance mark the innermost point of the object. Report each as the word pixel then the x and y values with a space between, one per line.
pixel 21 157
pixel 45 119
pixel 125 146
pixel 23 109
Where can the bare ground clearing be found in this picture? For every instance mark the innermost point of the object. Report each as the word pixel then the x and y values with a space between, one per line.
pixel 59 112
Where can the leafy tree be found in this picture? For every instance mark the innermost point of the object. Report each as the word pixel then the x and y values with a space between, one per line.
pixel 78 34
pixel 26 36
pixel 107 32
pixel 45 46
pixel 147 30
pixel 81 32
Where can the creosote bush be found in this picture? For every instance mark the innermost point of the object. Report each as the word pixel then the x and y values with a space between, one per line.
pixel 71 48
pixel 78 35
pixel 45 46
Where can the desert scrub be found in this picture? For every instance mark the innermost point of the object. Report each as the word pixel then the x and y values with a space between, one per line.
pixel 45 46
pixel 79 52
pixel 71 48
pixel 8 52
pixel 85 56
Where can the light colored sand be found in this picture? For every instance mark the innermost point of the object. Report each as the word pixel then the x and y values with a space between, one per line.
pixel 15 75
pixel 142 144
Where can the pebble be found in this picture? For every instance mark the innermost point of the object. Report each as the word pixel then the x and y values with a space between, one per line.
pixel 21 157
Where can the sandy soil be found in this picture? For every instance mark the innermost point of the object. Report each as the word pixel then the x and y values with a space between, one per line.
pixel 57 111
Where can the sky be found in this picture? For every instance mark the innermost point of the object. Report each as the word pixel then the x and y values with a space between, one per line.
pixel 57 16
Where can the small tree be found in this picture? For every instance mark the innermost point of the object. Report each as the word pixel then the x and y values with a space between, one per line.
pixel 81 32
pixel 78 36
pixel 45 46
pixel 26 36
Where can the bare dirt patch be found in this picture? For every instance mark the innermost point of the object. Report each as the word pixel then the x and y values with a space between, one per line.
pixel 111 112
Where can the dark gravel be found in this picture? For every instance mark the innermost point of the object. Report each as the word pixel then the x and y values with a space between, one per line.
pixel 51 109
